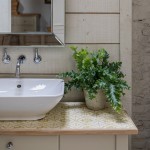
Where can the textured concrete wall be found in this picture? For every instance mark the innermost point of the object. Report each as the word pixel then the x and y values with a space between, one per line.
pixel 141 73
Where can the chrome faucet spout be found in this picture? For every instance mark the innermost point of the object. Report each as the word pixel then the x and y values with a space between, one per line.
pixel 18 72
pixel 19 62
pixel 18 69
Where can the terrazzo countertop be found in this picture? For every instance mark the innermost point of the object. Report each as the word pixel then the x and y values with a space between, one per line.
pixel 72 118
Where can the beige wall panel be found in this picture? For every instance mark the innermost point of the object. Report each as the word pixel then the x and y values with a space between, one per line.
pixel 54 60
pixel 92 28
pixel 74 96
pixel 87 142
pixel 126 48
pixel 99 6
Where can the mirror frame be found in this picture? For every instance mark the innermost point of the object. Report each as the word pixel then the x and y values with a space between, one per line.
pixel 57 22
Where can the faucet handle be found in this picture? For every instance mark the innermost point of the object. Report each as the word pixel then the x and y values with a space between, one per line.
pixel 21 58
pixel 37 58
pixel 6 58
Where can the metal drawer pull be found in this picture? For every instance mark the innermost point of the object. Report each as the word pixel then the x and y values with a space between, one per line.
pixel 9 145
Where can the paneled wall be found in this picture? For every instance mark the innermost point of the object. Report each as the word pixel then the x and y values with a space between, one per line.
pixel 89 23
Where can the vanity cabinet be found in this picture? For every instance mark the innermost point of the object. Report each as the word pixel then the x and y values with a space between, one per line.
pixel 70 126
pixel 21 23
pixel 64 142
pixel 29 142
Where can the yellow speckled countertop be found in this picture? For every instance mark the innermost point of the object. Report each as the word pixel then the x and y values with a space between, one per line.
pixel 72 118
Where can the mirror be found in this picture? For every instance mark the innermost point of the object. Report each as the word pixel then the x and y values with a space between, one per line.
pixel 32 23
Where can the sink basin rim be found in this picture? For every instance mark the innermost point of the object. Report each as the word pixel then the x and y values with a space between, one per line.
pixel 42 79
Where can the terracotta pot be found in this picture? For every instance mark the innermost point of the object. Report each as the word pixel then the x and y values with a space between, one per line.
pixel 97 103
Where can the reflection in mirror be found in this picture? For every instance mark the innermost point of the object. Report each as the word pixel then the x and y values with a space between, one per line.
pixel 31 16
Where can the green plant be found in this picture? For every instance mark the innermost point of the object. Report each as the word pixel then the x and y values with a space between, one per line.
pixel 94 72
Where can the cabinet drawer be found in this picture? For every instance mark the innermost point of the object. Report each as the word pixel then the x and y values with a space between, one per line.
pixel 87 142
pixel 29 142
pixel 23 20
pixel 24 29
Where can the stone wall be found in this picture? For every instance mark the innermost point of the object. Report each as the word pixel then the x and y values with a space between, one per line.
pixel 141 73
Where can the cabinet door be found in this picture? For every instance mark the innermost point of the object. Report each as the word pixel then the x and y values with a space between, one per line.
pixel 29 142
pixel 87 142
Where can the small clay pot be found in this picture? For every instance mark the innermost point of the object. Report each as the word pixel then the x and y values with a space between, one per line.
pixel 97 103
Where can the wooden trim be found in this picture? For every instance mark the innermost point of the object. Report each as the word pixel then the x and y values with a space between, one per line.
pixel 38 132
pixel 98 132
pixel 126 48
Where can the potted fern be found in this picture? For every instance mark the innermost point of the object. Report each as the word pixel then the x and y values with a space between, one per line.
pixel 99 79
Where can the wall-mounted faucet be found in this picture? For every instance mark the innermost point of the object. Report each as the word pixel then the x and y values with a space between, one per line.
pixel 6 58
pixel 37 58
pixel 20 61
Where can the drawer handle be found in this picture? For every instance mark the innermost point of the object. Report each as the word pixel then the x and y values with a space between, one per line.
pixel 9 145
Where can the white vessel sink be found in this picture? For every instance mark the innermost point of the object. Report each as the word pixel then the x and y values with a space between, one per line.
pixel 28 99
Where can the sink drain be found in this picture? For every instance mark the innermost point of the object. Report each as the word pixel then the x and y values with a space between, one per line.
pixel 18 86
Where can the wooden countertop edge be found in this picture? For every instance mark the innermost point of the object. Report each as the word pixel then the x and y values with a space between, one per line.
pixel 47 132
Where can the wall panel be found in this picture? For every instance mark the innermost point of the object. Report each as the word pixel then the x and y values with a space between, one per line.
pixel 126 48
pixel 98 6
pixel 92 28
pixel 54 60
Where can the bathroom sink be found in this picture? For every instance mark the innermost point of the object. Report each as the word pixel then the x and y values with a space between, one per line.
pixel 27 98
